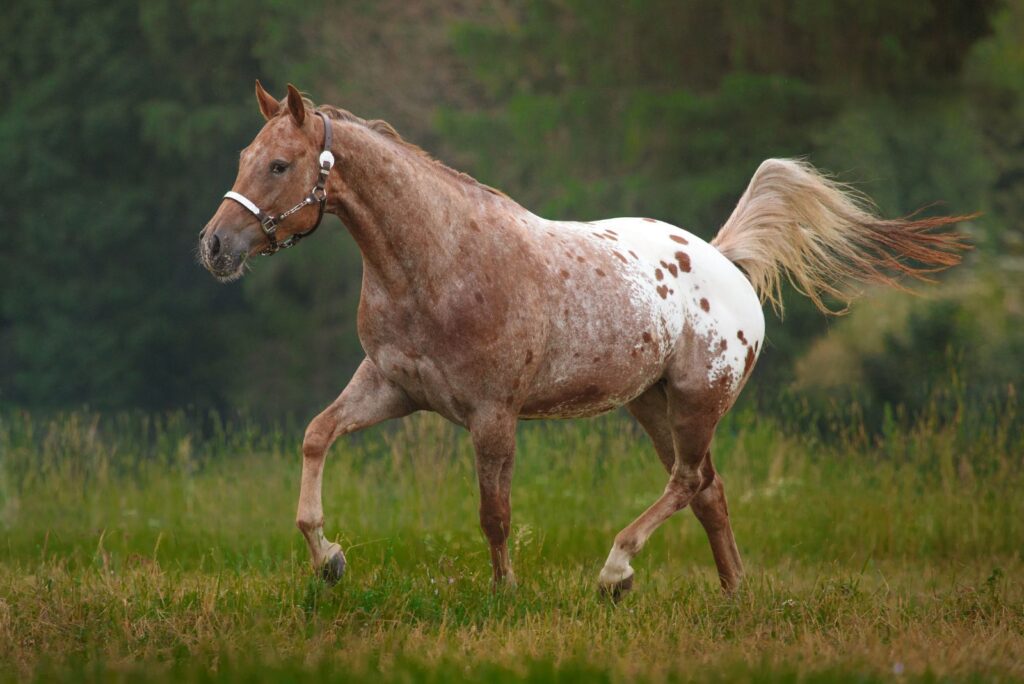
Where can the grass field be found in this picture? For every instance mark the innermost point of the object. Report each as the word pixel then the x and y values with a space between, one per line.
pixel 134 549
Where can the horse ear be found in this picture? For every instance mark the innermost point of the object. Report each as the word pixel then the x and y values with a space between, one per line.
pixel 296 106
pixel 269 107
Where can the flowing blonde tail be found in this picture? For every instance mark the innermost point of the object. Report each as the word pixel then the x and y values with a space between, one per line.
pixel 826 236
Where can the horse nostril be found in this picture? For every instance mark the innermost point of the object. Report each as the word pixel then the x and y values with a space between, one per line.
pixel 214 245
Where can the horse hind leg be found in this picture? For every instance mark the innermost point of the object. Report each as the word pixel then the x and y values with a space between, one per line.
pixel 709 505
pixel 680 423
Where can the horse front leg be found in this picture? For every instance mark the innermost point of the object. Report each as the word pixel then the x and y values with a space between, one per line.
pixel 368 399
pixel 494 439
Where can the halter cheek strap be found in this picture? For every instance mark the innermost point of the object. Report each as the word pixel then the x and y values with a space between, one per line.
pixel 318 195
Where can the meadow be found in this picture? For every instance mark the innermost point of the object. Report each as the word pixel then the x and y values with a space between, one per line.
pixel 140 548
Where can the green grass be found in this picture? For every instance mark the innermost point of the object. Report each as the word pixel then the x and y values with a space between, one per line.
pixel 134 549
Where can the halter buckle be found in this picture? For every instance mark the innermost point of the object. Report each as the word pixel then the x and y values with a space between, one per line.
pixel 269 224
pixel 326 160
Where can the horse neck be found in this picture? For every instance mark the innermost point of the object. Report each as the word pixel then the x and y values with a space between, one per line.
pixel 408 215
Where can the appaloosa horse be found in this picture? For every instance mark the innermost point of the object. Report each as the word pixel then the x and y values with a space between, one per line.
pixel 476 309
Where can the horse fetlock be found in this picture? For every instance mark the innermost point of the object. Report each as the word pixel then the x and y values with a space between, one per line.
pixel 309 527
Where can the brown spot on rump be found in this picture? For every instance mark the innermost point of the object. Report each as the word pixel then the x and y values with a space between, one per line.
pixel 743 339
pixel 620 257
pixel 613 238
pixel 611 232
pixel 633 254
pixel 672 268
pixel 723 344
pixel 529 356
pixel 677 238
pixel 473 226
pixel 658 274
pixel 650 220
pixel 755 346
pixel 748 362
pixel 580 259
pixel 683 260
pixel 647 337
pixel 704 304
pixel 597 359
pixel 564 274
pixel 599 272
pixel 479 298
pixel 663 291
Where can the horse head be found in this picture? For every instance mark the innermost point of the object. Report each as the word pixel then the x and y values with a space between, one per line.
pixel 270 205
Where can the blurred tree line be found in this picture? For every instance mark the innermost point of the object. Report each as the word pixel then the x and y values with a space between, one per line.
pixel 122 121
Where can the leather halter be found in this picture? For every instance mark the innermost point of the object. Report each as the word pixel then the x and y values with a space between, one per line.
pixel 317 195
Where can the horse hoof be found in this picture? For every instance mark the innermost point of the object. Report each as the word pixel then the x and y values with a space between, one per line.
pixel 334 569
pixel 617 590
pixel 505 585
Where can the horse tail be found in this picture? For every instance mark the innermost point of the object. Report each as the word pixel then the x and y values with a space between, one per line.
pixel 825 237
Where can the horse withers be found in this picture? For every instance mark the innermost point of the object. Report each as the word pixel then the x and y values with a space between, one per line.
pixel 475 308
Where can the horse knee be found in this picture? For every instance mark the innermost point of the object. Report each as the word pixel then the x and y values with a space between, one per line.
pixel 626 541
pixel 316 440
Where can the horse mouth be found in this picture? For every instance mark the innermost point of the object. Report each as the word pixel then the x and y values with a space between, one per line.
pixel 224 268
pixel 226 273
pixel 229 276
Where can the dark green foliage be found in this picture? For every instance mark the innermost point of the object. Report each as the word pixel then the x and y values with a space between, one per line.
pixel 117 132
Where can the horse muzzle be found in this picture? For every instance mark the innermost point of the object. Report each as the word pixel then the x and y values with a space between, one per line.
pixel 223 255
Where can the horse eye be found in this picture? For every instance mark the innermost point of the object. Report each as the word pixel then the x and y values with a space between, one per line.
pixel 277 167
